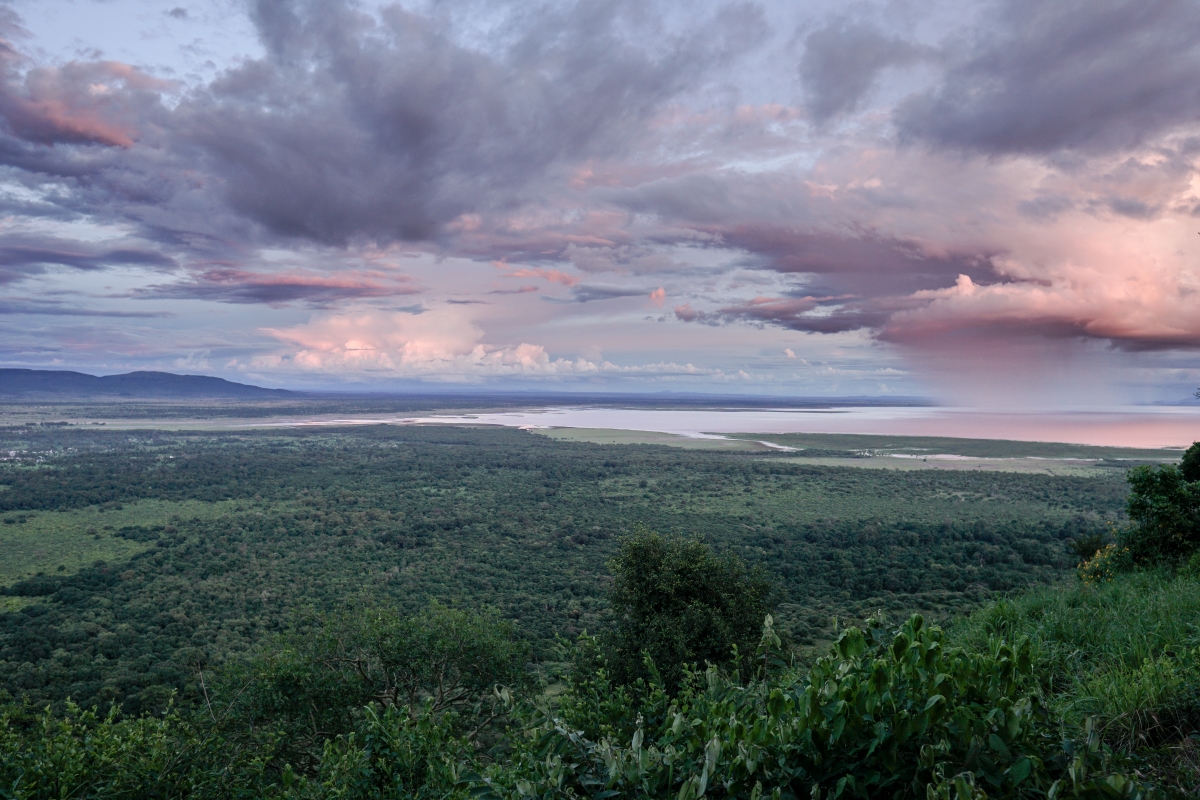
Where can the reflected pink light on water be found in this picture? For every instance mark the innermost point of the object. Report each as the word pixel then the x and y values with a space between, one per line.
pixel 1105 429
pixel 1172 426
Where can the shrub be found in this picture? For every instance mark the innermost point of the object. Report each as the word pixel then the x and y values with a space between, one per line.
pixel 395 753
pixel 1087 546
pixel 1164 507
pixel 1190 464
pixel 1105 565
pixel 313 686
pixel 81 754
pixel 889 713
pixel 679 603
pixel 895 713
pixel 1192 568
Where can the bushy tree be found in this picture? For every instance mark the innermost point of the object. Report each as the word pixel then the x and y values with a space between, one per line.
pixel 680 603
pixel 1164 506
pixel 313 686
pixel 82 754
pixel 1190 465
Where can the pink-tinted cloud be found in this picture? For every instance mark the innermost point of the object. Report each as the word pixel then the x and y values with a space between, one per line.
pixel 518 290
pixel 552 275
pixel 440 344
pixel 685 313
pixel 1045 152
pixel 103 102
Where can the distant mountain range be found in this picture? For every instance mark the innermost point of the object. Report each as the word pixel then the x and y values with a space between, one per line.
pixel 45 383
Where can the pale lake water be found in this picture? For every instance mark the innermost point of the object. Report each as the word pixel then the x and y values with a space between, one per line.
pixel 1133 426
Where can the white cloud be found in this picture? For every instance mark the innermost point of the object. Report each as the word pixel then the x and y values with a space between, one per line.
pixel 440 344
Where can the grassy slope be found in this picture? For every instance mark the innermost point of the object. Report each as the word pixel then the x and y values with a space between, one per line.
pixel 1126 653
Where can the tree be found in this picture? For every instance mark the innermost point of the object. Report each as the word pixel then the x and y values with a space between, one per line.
pixel 1164 505
pixel 680 603
pixel 313 685
pixel 1190 465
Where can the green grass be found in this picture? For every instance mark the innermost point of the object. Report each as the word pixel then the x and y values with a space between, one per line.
pixel 1126 654
pixel 1079 630
pixel 63 542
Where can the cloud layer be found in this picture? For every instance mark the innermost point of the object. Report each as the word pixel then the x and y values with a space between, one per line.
pixel 539 180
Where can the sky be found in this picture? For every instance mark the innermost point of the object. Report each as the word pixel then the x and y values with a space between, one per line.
pixel 985 203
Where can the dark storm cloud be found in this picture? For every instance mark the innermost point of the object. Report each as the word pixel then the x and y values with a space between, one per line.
pixel 1048 75
pixel 352 127
pixel 23 257
pixel 841 62
pixel 228 285
pixel 864 264
pixel 748 213
pixel 745 214
pixel 355 127
pixel 608 137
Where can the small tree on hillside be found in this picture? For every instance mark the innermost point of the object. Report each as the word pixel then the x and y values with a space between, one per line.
pixel 1164 505
pixel 680 603
pixel 1190 465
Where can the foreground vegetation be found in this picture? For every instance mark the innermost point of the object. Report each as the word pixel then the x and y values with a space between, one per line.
pixel 890 712
pixel 1123 655
pixel 1089 689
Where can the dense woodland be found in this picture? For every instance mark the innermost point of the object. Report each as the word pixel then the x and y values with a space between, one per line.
pixel 304 521
pixel 434 612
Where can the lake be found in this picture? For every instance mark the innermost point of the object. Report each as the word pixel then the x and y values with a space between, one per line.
pixel 1131 426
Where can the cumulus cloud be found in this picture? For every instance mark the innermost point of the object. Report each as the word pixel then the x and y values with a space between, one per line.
pixel 444 344
pixel 389 128
pixel 1157 318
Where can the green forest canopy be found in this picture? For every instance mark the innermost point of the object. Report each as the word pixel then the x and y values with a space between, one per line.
pixel 234 533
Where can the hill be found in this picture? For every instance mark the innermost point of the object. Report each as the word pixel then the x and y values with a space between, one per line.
pixel 43 383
